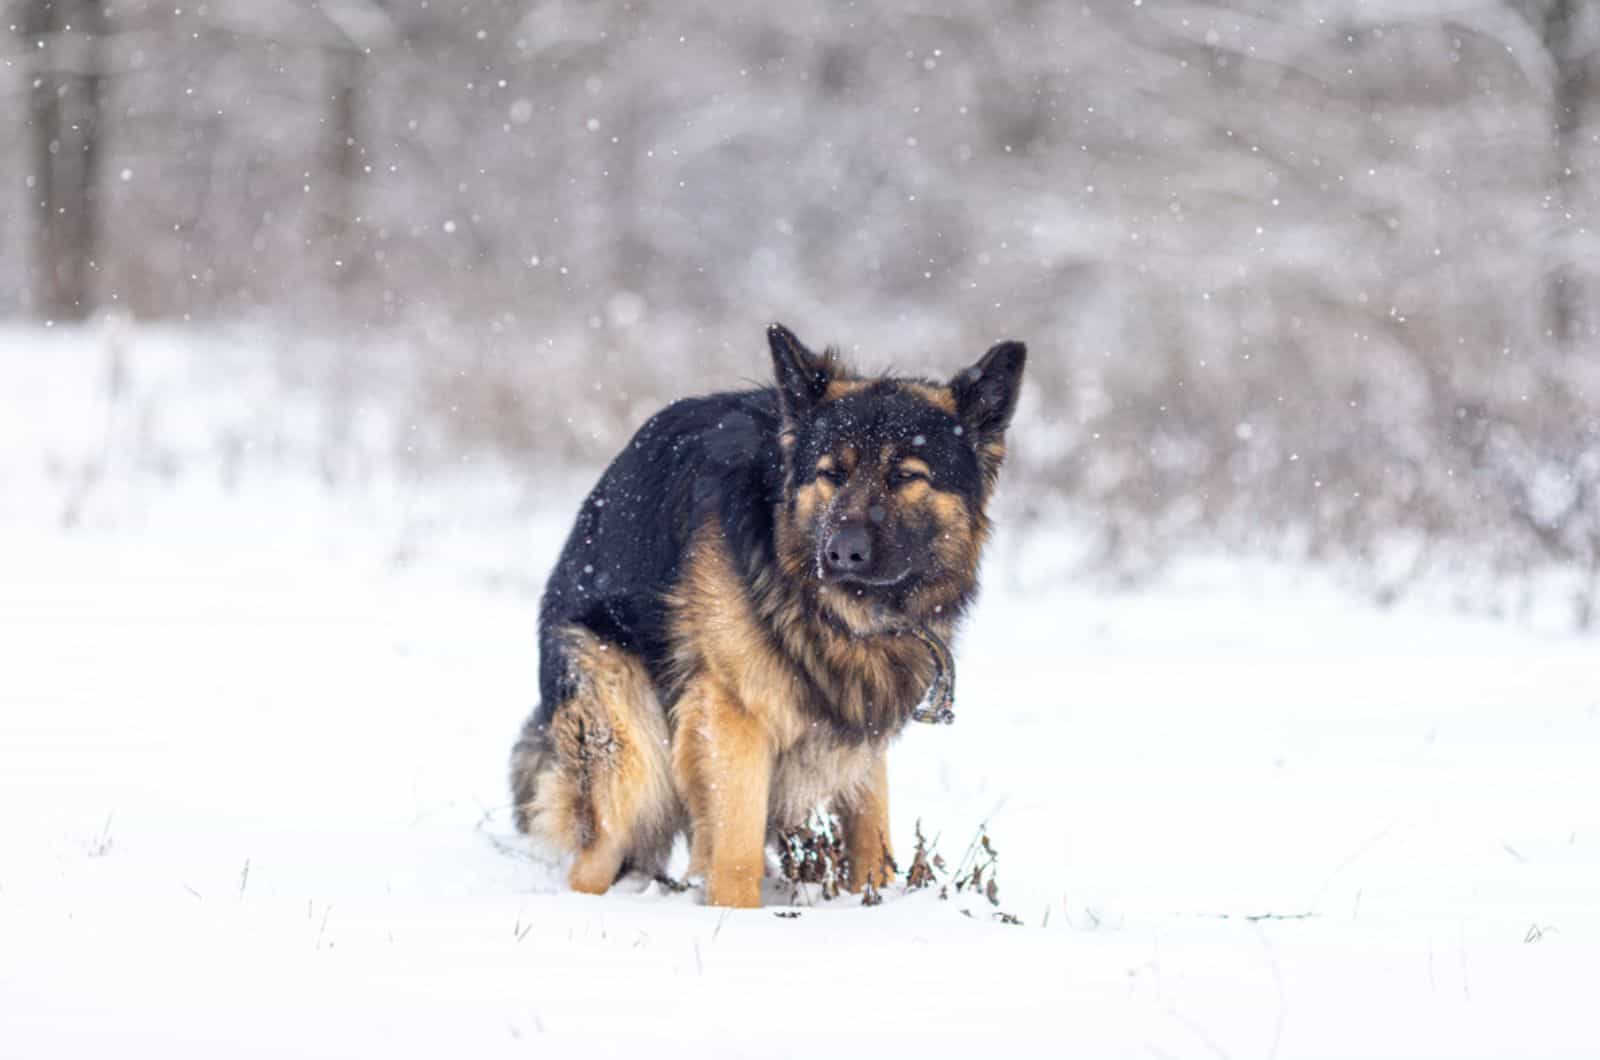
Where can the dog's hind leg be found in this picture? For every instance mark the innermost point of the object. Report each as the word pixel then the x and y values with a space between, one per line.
pixel 597 780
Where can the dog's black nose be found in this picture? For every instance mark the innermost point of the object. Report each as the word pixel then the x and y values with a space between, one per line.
pixel 849 550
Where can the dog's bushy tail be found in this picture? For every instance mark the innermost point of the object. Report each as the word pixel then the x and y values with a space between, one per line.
pixel 527 758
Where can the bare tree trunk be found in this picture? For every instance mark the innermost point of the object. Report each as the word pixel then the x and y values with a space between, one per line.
pixel 342 166
pixel 44 123
pixel 1562 37
pixel 83 236
pixel 632 253
pixel 64 108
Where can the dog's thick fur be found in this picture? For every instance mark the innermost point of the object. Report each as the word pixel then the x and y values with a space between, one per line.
pixel 705 664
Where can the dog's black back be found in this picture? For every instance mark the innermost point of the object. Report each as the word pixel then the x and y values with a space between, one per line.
pixel 707 457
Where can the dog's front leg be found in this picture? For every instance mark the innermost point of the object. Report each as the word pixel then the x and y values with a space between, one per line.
pixel 724 759
pixel 866 825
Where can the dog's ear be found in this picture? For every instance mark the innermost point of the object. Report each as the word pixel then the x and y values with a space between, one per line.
pixel 802 376
pixel 986 393
pixel 986 397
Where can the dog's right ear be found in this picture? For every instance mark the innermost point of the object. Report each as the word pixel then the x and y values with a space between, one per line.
pixel 802 376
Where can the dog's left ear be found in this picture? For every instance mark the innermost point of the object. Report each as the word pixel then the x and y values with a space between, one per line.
pixel 986 396
pixel 986 393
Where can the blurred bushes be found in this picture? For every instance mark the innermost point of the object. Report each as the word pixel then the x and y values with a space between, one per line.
pixel 1296 273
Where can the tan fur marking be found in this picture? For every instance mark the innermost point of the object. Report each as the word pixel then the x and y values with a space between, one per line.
pixel 596 867
pixel 718 632
pixel 851 610
pixel 813 495
pixel 866 825
pixel 723 760
pixel 913 491
pixel 956 545
pixel 821 488
pixel 940 397
pixel 609 774
pixel 913 466
pixel 990 456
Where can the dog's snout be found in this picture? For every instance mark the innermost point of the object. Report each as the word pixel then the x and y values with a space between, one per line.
pixel 849 550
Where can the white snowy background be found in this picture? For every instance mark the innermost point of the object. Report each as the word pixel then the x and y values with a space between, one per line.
pixel 1281 704
pixel 253 734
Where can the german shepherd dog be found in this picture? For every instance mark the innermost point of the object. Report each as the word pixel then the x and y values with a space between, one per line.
pixel 734 632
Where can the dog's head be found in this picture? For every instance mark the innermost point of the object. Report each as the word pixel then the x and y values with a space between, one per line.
pixel 886 481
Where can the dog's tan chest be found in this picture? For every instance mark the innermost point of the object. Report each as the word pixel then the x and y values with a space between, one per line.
pixel 818 772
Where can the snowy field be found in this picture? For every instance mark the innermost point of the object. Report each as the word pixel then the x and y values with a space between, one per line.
pixel 252 748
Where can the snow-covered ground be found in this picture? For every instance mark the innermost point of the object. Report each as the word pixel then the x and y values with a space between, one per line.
pixel 252 746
